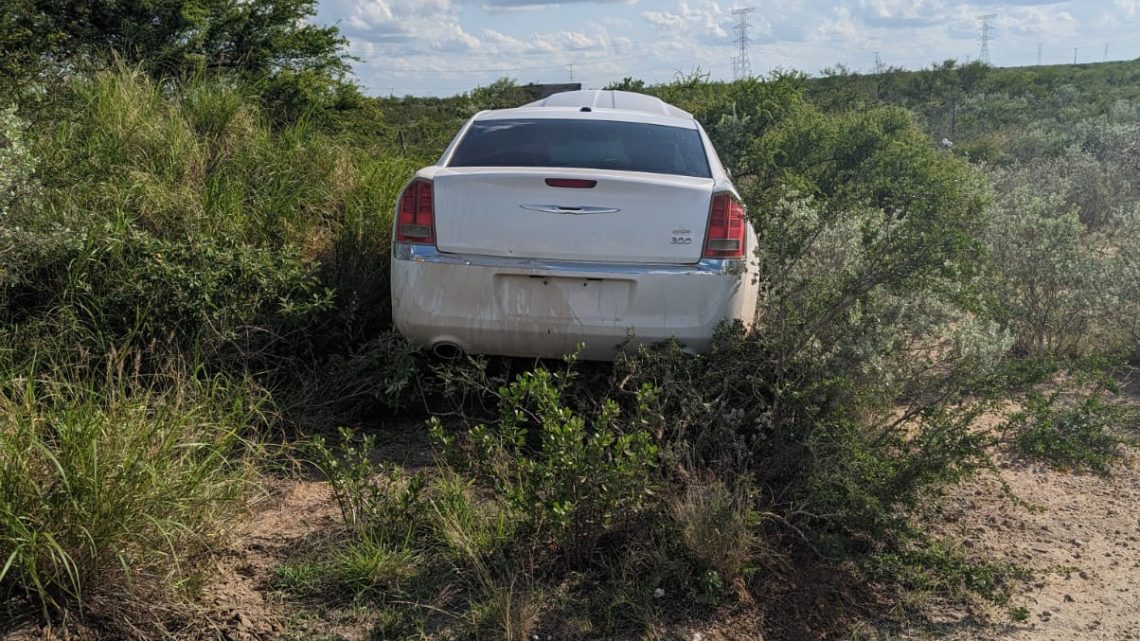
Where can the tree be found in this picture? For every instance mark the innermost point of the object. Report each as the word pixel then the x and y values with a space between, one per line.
pixel 168 37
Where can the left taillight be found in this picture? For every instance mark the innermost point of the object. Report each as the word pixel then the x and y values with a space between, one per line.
pixel 415 219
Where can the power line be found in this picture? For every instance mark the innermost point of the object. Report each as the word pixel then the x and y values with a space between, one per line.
pixel 741 67
pixel 987 28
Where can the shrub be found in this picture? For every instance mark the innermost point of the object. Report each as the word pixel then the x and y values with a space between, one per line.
pixel 16 161
pixel 371 499
pixel 1061 288
pixel 857 390
pixel 1075 426
pixel 570 477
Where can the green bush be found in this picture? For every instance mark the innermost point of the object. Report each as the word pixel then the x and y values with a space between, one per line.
pixel 856 391
pixel 174 214
pixel 572 478
pixel 1061 287
pixel 371 498
pixel 1072 427
pixel 16 161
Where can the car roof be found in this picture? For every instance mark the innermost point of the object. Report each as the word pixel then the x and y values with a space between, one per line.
pixel 612 99
pixel 589 103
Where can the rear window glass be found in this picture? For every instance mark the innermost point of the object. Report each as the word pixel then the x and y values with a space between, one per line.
pixel 589 144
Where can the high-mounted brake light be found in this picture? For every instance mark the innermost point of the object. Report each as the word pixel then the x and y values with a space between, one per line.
pixel 415 220
pixel 726 235
pixel 572 183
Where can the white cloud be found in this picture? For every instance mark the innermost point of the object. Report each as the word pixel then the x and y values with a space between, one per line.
pixel 701 21
pixel 447 46
pixel 1130 7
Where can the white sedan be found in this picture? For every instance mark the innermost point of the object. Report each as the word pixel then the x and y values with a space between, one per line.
pixel 595 218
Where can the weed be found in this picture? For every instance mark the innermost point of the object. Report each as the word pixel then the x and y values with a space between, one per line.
pixel 1081 434
pixel 302 578
pixel 469 530
pixel 371 497
pixel 937 570
pixel 398 624
pixel 509 613
pixel 116 482
pixel 717 524
pixel 373 564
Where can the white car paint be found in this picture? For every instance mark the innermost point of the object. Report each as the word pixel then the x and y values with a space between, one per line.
pixel 519 268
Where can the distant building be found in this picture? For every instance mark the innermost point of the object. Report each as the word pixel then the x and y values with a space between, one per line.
pixel 545 91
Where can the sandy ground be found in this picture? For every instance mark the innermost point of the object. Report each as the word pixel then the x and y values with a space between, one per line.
pixel 1080 535
pixel 238 601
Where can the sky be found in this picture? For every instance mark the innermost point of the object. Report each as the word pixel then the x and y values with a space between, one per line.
pixel 447 47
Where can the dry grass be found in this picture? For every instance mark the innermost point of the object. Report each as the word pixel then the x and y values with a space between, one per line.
pixel 717 524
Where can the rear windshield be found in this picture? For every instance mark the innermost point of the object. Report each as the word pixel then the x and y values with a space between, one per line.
pixel 590 144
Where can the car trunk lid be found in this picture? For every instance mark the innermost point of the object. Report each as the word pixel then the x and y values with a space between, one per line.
pixel 574 215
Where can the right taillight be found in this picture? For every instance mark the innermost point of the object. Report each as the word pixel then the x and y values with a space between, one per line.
pixel 726 235
pixel 415 219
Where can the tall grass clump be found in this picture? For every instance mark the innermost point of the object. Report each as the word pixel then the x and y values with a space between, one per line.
pixel 176 213
pixel 113 485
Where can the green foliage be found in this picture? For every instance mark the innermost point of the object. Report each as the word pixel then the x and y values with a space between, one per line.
pixel 115 482
pixel 181 218
pixel 504 93
pixel 16 162
pixel 373 564
pixel 627 83
pixel 1082 433
pixel 1062 287
pixel 572 478
pixel 371 498
pixel 175 37
pixel 737 115
pixel 939 570
pixel 966 103
pixel 858 389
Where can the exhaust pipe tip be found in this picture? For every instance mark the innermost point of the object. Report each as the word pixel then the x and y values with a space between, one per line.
pixel 447 351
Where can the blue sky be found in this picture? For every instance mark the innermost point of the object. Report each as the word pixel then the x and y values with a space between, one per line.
pixel 444 47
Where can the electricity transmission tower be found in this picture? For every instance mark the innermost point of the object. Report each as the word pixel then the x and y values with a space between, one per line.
pixel 878 64
pixel 987 29
pixel 741 67
pixel 1038 55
